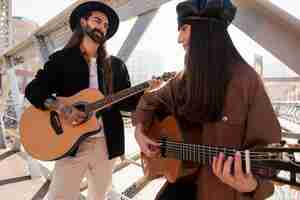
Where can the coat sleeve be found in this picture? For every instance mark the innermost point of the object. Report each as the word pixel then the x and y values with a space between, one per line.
pixel 262 128
pixel 160 102
pixel 45 84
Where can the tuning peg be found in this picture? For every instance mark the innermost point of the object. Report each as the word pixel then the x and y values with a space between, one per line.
pixel 283 142
pixel 274 145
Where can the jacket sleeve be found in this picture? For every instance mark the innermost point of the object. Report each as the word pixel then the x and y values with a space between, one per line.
pixel 44 85
pixel 160 102
pixel 262 128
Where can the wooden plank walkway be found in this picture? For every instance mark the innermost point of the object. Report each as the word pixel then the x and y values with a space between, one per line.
pixel 14 171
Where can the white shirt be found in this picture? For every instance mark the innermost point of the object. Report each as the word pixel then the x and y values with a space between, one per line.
pixel 94 84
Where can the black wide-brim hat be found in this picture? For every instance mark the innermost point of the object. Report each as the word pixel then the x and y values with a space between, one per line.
pixel 81 10
pixel 221 10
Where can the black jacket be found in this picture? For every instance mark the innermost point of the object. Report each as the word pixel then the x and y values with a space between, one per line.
pixel 66 73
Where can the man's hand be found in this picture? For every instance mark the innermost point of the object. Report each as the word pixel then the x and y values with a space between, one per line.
pixel 239 180
pixel 71 114
pixel 149 147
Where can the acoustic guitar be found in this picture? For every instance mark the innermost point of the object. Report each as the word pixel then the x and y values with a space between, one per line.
pixel 46 136
pixel 265 162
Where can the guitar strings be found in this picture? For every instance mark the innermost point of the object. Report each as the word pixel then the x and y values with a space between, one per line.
pixel 214 153
pixel 230 152
pixel 127 92
pixel 110 99
pixel 208 155
pixel 255 167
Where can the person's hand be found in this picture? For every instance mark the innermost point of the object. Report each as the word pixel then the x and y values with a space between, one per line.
pixel 149 147
pixel 153 85
pixel 239 180
pixel 72 115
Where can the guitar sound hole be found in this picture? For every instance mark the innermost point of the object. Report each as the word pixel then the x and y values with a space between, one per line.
pixel 55 123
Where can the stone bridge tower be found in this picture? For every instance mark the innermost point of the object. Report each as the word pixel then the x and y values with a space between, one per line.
pixel 5 24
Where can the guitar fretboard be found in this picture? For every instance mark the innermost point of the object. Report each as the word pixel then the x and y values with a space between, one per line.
pixel 107 101
pixel 204 154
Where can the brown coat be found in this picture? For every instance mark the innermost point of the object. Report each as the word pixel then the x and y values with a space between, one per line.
pixel 248 121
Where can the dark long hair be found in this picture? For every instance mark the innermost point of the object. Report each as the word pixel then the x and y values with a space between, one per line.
pixel 207 71
pixel 102 57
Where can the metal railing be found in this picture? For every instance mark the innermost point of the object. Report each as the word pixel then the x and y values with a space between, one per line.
pixel 288 110
pixel 35 50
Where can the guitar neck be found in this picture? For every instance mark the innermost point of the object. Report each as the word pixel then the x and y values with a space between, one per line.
pixel 260 162
pixel 115 98
pixel 202 154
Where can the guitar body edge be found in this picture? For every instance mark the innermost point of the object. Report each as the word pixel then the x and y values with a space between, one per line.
pixel 155 167
pixel 40 139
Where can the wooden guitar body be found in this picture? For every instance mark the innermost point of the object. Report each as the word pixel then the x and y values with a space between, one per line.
pixel 168 167
pixel 265 162
pixel 45 136
pixel 43 141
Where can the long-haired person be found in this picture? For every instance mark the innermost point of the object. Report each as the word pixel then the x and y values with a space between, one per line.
pixel 84 63
pixel 219 100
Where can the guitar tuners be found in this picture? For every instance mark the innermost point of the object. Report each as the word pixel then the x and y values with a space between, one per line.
pixel 276 145
pixel 283 142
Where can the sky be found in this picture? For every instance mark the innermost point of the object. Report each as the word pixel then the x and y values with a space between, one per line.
pixel 292 6
pixel 39 10
pixel 43 10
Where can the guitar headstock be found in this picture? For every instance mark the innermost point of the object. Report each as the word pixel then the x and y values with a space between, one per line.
pixel 281 161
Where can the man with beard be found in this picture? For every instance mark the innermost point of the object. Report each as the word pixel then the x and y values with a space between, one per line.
pixel 84 63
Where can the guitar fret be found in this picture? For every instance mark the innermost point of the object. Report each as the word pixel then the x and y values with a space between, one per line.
pixel 197 154
pixel 116 97
pixel 209 155
pixel 193 152
pixel 203 156
pixel 190 155
pixel 130 90
pixel 187 156
pixel 181 152
pixel 185 153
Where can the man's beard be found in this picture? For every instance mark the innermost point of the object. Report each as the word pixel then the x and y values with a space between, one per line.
pixel 96 35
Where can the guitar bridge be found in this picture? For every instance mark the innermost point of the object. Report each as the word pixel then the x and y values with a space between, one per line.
pixel 55 123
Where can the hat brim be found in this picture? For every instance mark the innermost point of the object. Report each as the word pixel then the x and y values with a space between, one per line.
pixel 83 9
